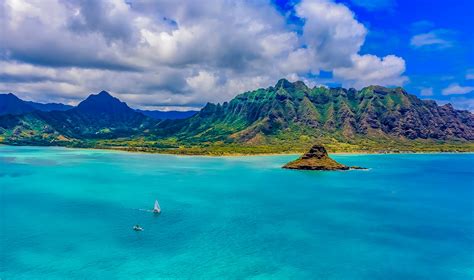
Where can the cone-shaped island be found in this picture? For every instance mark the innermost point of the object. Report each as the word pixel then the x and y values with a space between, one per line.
pixel 317 159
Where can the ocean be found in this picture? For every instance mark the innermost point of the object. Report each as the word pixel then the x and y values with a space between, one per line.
pixel 69 213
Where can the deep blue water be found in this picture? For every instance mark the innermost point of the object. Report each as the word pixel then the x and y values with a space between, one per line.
pixel 68 214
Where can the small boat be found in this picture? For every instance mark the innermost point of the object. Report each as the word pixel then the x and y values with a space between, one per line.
pixel 156 208
pixel 137 228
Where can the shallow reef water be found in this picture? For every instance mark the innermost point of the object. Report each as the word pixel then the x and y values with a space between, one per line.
pixel 68 214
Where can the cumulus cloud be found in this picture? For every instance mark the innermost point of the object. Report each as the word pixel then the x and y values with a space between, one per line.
pixel 160 53
pixel 331 31
pixel 457 89
pixel 372 70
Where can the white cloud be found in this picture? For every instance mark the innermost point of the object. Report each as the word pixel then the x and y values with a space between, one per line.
pixel 331 31
pixel 436 38
pixel 165 53
pixel 372 70
pixel 457 89
pixel 426 91
pixel 204 81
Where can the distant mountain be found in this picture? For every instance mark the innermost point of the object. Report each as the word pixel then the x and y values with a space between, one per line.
pixel 10 104
pixel 100 116
pixel 167 115
pixel 292 111
pixel 103 104
pixel 47 107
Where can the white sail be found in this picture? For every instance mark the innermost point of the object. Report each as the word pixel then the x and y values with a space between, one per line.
pixel 156 208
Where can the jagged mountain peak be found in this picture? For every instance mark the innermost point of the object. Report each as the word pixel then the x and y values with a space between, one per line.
pixel 283 83
pixel 287 85
pixel 104 93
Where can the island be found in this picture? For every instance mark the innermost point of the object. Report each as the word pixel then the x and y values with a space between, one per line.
pixel 317 159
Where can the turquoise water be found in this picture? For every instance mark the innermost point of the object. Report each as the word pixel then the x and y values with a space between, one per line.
pixel 68 214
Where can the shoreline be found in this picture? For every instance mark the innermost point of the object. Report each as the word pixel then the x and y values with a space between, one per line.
pixel 243 154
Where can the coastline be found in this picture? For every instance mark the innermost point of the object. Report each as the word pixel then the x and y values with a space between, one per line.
pixel 236 154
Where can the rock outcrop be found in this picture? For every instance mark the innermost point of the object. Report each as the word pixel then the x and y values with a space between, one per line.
pixel 317 159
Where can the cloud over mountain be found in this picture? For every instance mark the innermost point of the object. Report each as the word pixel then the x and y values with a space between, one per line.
pixel 165 54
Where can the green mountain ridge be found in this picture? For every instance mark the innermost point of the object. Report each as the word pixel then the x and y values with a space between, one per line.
pixel 281 118
pixel 292 110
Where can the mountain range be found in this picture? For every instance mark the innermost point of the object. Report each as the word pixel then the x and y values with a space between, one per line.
pixel 11 104
pixel 293 110
pixel 285 115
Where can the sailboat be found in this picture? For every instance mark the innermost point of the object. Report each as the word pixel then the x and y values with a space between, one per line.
pixel 156 208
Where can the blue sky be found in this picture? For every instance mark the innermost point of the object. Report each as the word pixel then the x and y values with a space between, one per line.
pixel 444 58
pixel 437 65
pixel 180 54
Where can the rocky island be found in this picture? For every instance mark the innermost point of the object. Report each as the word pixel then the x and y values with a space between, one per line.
pixel 317 159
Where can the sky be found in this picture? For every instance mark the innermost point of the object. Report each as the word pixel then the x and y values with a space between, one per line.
pixel 181 54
